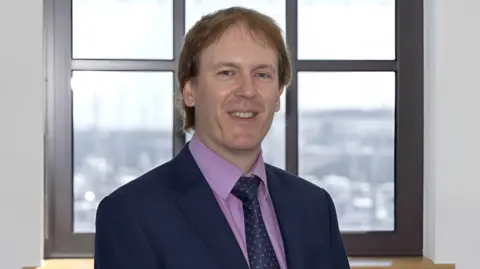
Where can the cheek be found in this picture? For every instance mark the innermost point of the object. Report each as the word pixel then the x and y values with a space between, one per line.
pixel 273 99
pixel 213 99
pixel 221 96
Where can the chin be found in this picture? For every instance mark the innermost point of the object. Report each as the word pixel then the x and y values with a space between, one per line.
pixel 244 144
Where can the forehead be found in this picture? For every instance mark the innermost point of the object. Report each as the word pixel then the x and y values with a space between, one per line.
pixel 240 45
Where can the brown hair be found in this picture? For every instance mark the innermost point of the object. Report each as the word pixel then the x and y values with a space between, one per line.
pixel 208 30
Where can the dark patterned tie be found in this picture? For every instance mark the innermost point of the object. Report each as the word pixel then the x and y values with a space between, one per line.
pixel 259 247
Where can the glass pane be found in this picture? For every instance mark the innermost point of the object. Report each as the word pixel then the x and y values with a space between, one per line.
pixel 274 143
pixel 346 29
pixel 195 9
pixel 188 136
pixel 119 29
pixel 347 143
pixel 122 128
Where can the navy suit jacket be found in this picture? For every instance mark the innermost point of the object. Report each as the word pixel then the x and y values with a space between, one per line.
pixel 169 218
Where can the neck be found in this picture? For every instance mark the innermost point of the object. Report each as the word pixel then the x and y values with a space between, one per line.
pixel 243 159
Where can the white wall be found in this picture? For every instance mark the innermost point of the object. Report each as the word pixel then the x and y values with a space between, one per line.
pixel 452 137
pixel 21 133
pixel 452 184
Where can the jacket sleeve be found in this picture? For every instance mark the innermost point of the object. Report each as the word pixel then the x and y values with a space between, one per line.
pixel 120 242
pixel 340 257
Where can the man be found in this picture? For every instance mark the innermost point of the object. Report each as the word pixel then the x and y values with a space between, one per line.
pixel 216 205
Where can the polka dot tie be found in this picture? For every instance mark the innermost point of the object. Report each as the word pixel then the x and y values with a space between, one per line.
pixel 259 247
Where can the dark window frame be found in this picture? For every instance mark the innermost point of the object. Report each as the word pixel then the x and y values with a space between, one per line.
pixel 406 240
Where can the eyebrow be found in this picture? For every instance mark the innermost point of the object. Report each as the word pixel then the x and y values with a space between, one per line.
pixel 221 64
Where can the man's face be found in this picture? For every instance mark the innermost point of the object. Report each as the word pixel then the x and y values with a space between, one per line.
pixel 236 93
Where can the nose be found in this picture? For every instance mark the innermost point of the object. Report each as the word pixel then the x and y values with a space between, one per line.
pixel 246 87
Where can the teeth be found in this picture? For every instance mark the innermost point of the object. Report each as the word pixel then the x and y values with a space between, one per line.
pixel 243 115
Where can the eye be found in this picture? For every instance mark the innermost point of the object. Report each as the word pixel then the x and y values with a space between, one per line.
pixel 263 75
pixel 225 73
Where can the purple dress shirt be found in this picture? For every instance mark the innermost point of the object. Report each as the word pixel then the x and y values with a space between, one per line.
pixel 222 175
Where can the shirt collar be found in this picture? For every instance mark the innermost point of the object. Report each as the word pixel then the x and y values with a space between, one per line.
pixel 221 174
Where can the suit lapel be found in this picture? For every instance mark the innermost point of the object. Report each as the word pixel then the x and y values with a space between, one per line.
pixel 288 209
pixel 200 207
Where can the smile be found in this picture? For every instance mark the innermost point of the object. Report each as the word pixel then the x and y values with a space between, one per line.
pixel 243 115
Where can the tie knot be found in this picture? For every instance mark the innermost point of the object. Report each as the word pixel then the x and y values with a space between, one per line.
pixel 246 188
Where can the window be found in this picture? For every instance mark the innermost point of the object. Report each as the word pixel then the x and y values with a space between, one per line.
pixel 352 120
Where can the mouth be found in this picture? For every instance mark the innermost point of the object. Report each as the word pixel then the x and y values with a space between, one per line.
pixel 243 115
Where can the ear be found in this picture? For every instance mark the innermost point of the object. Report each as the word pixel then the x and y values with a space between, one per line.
pixel 278 101
pixel 189 94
